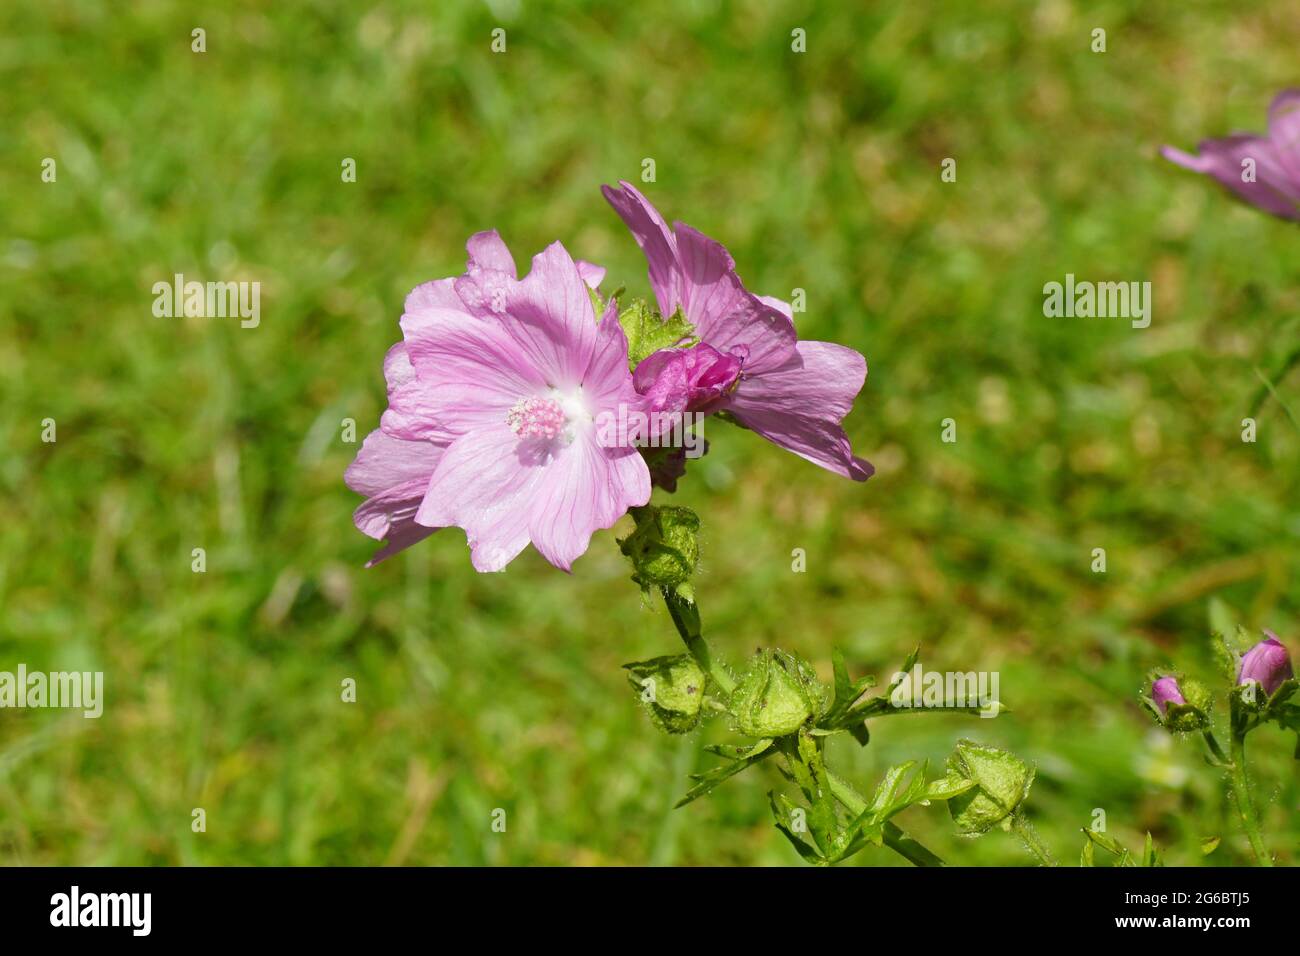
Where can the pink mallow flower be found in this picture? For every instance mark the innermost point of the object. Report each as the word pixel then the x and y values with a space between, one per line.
pixel 749 361
pixel 397 461
pixel 515 399
pixel 1271 180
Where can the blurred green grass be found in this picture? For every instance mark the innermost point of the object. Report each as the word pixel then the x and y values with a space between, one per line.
pixel 820 171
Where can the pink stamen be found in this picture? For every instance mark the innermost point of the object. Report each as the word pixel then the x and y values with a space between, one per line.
pixel 537 418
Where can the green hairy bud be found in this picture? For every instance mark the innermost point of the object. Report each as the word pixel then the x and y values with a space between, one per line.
pixel 1002 781
pixel 664 549
pixel 776 696
pixel 672 688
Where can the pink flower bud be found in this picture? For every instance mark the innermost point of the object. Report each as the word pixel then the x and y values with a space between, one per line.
pixel 1165 692
pixel 1267 663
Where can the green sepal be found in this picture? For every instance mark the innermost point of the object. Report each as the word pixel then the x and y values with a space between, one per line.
pixel 664 549
pixel 672 688
pixel 1001 783
pixel 777 695
pixel 647 331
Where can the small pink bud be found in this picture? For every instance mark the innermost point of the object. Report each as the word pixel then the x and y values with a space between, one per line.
pixel 1165 692
pixel 1267 663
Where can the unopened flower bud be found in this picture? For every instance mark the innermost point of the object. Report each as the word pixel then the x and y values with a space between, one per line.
pixel 1002 781
pixel 664 548
pixel 776 696
pixel 1267 663
pixel 1165 692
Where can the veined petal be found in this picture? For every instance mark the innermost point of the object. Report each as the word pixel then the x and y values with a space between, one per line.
pixel 384 462
pixel 655 239
pixel 800 405
pixel 583 489
pixel 1273 190
pixel 549 315
pixel 471 373
pixel 607 381
pixel 408 415
pixel 1284 131
pixel 592 274
pixel 393 474
pixel 485 485
pixel 724 314
pixel 488 251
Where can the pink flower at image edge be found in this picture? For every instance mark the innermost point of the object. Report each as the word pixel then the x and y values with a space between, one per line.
pixel 1275 160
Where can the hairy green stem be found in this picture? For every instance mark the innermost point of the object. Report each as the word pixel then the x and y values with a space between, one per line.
pixel 1216 751
pixel 1245 805
pixel 686 618
pixel 1021 826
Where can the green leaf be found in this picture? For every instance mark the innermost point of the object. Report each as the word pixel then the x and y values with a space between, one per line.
pixel 672 688
pixel 846 691
pixel 846 694
pixel 1086 857
pixel 782 811
pixel 1209 845
pixel 1150 855
pixel 741 752
pixel 647 331
pixel 708 781
pixel 1105 841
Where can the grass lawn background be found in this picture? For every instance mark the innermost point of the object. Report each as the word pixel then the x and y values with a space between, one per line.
pixel 820 171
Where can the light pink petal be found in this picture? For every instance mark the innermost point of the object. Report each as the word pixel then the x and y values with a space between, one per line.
pixel 583 489
pixel 488 251
pixel 608 381
pixel 592 274
pixel 488 276
pixel 485 484
pixel 655 239
pixel 800 405
pixel 384 462
pixel 1274 190
pixel 437 296
pixel 724 314
pixel 440 294
pixel 550 316
pixel 391 515
pixel 1284 131
pixel 408 415
pixel 471 373
pixel 393 474
pixel 779 304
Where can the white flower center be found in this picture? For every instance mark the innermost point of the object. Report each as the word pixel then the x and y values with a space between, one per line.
pixel 548 418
